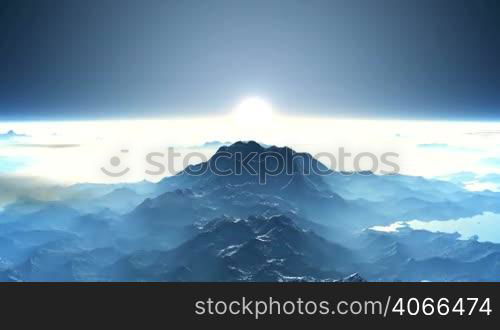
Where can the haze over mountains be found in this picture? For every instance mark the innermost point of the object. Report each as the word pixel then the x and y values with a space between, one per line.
pixel 295 226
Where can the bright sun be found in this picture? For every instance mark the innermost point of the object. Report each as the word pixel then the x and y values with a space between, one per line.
pixel 253 111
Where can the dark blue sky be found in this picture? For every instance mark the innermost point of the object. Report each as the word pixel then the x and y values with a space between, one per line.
pixel 70 59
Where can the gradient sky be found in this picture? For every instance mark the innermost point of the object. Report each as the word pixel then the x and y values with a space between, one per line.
pixel 72 59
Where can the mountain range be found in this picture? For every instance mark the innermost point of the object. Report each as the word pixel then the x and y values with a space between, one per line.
pixel 230 225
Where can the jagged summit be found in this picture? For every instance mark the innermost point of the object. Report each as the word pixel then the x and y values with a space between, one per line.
pixel 243 147
pixel 269 178
pixel 246 147
pixel 252 159
pixel 246 162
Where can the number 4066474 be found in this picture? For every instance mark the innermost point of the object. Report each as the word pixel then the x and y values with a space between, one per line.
pixel 442 306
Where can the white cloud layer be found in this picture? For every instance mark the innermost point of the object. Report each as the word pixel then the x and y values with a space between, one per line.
pixel 93 143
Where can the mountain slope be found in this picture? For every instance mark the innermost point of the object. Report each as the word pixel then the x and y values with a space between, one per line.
pixel 255 249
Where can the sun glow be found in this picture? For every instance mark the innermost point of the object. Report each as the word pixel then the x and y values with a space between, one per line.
pixel 253 111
